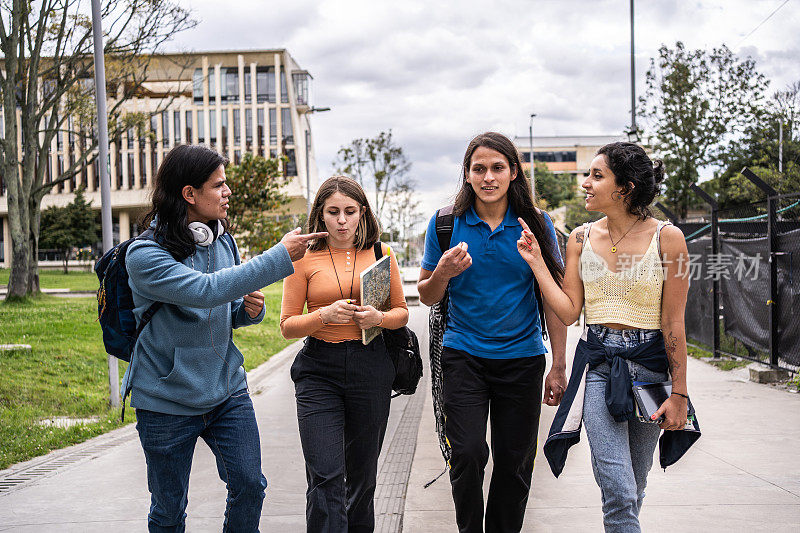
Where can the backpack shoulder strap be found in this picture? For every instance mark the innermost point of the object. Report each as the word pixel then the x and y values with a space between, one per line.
pixel 378 250
pixel 444 227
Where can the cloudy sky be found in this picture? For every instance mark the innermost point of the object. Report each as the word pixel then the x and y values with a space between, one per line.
pixel 437 73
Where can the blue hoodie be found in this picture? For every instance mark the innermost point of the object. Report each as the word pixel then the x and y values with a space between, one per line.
pixel 185 362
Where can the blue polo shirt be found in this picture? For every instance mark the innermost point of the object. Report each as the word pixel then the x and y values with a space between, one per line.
pixel 493 311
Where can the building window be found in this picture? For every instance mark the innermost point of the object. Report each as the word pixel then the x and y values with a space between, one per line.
pixel 248 125
pixel 248 93
pixel 553 157
pixel 130 138
pixel 165 128
pixel 284 89
pixel 230 84
pixel 265 84
pixel 301 87
pixel 237 157
pixel 261 139
pixel 212 126
pixel 212 85
pixel 176 126
pixel 197 85
pixel 188 127
pixel 290 168
pixel 237 127
pixel 273 126
pixel 96 172
pixel 201 126
pixel 131 174
pixel 286 125
pixel 224 123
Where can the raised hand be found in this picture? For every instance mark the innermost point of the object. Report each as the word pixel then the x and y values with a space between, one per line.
pixel 527 245
pixel 339 312
pixel 296 243
pixel 454 261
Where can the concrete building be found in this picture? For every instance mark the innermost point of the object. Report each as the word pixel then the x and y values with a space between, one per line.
pixel 233 101
pixel 571 154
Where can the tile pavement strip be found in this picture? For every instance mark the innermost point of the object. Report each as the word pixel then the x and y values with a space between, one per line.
pixel 390 493
pixel 24 474
pixel 29 472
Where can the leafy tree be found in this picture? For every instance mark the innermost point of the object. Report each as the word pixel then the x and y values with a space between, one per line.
pixel 552 189
pixel 404 214
pixel 695 102
pixel 48 73
pixel 378 164
pixel 758 149
pixel 69 227
pixel 256 205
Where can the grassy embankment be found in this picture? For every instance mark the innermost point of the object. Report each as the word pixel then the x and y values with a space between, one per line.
pixel 66 374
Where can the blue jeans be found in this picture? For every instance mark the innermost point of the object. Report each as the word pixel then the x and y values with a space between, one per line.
pixel 231 432
pixel 622 452
pixel 343 392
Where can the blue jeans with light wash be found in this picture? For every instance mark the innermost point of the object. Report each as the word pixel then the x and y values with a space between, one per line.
pixel 622 452
pixel 231 432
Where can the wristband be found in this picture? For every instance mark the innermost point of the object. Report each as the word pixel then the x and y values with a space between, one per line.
pixel 679 394
pixel 380 324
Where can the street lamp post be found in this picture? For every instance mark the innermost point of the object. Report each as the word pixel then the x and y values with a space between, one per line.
pixel 102 162
pixel 530 135
pixel 633 133
pixel 308 156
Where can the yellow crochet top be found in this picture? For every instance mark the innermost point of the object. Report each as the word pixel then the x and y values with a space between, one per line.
pixel 631 296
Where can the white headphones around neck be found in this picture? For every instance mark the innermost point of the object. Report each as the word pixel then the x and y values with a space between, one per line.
pixel 203 234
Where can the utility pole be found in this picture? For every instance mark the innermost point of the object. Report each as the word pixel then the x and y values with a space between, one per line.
pixel 780 147
pixel 633 80
pixel 102 162
pixel 533 180
pixel 308 156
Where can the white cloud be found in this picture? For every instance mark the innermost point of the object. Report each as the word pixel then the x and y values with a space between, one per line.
pixel 438 73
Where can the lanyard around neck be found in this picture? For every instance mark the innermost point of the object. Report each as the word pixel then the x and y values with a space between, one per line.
pixel 352 279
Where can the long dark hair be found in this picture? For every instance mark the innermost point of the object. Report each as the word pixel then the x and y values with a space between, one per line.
pixel 636 173
pixel 184 165
pixel 368 231
pixel 519 195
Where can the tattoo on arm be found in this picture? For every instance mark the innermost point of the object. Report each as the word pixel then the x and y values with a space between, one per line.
pixel 579 237
pixel 671 345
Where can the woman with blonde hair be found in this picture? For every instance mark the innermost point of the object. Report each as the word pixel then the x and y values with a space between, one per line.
pixel 342 387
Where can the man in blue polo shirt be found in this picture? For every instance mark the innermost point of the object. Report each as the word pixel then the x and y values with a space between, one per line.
pixel 492 358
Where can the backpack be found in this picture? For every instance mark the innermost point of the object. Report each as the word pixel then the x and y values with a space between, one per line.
pixel 403 348
pixel 115 301
pixel 437 324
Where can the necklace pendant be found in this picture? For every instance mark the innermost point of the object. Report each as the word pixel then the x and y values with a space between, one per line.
pixel 613 249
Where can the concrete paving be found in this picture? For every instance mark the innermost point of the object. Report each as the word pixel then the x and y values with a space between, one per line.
pixel 743 475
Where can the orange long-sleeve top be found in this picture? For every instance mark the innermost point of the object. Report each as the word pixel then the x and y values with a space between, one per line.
pixel 315 284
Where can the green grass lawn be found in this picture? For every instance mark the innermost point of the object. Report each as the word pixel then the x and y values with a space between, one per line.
pixel 78 280
pixel 66 373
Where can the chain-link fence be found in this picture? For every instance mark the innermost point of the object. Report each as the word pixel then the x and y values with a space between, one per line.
pixel 757 298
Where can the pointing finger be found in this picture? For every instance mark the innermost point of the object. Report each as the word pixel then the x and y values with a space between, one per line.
pixel 318 235
pixel 524 225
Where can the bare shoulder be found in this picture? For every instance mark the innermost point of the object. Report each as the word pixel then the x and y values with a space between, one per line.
pixel 577 235
pixel 672 239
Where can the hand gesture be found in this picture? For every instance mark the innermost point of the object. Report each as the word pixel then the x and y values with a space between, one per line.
pixel 527 245
pixel 674 411
pixel 454 261
pixel 297 243
pixel 339 312
pixel 554 386
pixel 367 317
pixel 254 303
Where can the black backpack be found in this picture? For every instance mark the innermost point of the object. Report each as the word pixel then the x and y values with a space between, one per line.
pixel 115 301
pixel 403 348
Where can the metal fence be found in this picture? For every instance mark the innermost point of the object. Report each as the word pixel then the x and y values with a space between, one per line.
pixel 744 271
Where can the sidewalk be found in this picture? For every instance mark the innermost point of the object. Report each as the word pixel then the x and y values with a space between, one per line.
pixel 743 475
